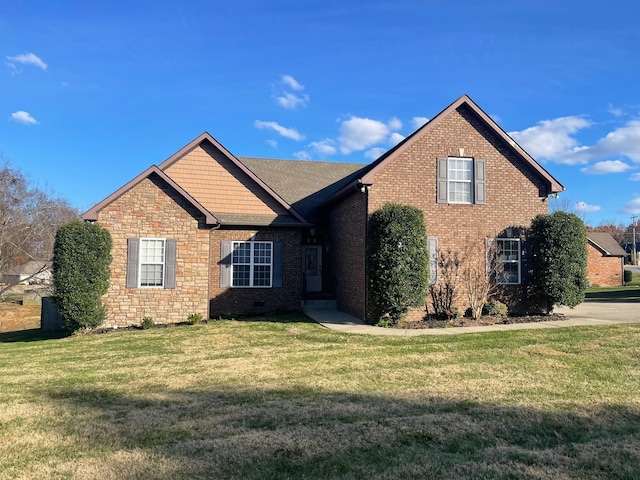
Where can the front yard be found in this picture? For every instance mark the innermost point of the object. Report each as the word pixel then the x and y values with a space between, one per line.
pixel 280 397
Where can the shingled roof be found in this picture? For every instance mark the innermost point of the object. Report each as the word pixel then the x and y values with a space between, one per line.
pixel 303 184
pixel 604 242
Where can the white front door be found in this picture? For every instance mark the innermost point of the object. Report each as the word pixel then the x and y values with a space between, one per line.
pixel 312 266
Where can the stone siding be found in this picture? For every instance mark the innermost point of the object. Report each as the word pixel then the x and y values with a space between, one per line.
pixel 153 209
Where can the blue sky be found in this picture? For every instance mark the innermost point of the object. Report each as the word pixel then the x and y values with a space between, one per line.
pixel 92 93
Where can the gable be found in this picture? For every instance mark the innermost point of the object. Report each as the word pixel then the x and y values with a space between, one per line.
pixel 219 185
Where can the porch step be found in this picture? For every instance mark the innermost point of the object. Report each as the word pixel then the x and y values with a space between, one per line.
pixel 319 306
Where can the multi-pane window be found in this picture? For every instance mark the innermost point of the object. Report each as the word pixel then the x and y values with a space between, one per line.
pixel 152 253
pixel 251 264
pixel 508 254
pixel 460 178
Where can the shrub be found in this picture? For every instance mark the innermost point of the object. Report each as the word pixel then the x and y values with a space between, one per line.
pixel 628 276
pixel 495 308
pixel 559 244
pixel 397 260
pixel 81 259
pixel 147 323
pixel 194 318
pixel 444 292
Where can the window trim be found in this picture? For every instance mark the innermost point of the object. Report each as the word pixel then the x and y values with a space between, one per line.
pixel 252 264
pixel 468 161
pixel 518 262
pixel 477 183
pixel 163 263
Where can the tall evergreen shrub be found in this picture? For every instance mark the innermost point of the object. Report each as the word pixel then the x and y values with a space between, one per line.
pixel 81 259
pixel 559 267
pixel 397 260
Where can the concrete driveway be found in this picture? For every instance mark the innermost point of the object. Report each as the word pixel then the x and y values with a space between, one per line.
pixel 599 313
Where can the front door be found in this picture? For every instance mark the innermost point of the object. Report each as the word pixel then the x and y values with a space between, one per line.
pixel 312 266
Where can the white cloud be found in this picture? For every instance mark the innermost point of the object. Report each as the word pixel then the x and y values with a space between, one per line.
pixel 292 83
pixel 374 153
pixel 606 166
pixel 583 207
pixel 27 59
pixel 616 112
pixel 635 177
pixel 272 143
pixel 624 141
pixel 395 138
pixel 286 98
pixel 394 124
pixel 291 133
pixel 632 206
pixel 361 133
pixel 417 122
pixel 23 117
pixel 291 101
pixel 302 155
pixel 324 147
pixel 553 139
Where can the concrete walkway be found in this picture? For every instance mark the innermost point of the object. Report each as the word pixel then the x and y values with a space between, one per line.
pixel 587 313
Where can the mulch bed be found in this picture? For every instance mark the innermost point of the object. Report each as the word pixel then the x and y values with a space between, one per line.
pixel 485 320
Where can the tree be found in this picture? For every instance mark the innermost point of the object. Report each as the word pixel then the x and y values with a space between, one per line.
pixel 559 244
pixel 81 260
pixel 29 218
pixel 397 260
pixel 481 269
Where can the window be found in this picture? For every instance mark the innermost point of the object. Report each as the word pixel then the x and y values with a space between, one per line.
pixel 459 176
pixel 461 180
pixel 151 262
pixel 251 264
pixel 508 254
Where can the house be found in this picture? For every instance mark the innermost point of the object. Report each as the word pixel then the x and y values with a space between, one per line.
pixel 605 260
pixel 34 271
pixel 208 232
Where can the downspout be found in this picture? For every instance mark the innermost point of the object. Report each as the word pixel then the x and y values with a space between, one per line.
pixel 365 190
pixel 215 227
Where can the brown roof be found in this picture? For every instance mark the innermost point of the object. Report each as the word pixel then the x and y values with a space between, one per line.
pixel 605 242
pixel 369 173
pixel 304 184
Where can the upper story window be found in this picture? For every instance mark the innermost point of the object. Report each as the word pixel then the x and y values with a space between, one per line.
pixel 251 264
pixel 459 177
pixel 152 257
pixel 461 180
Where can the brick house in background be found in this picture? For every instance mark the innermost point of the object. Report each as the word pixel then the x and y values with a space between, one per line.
pixel 209 232
pixel 605 260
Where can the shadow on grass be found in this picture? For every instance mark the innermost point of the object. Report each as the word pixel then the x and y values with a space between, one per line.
pixel 32 335
pixel 622 294
pixel 307 433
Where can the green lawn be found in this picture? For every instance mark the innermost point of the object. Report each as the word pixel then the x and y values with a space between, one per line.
pixel 280 397
pixel 627 293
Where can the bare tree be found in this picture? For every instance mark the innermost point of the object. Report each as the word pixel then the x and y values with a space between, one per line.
pixel 445 290
pixel 481 269
pixel 29 218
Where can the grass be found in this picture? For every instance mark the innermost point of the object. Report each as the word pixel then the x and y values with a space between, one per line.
pixel 281 397
pixel 628 293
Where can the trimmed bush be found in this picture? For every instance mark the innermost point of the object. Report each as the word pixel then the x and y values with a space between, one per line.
pixel 628 276
pixel 194 318
pixel 559 244
pixel 495 308
pixel 147 323
pixel 81 259
pixel 397 260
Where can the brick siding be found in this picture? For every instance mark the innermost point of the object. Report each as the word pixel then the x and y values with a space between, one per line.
pixel 348 234
pixel 604 271
pixel 513 191
pixel 248 301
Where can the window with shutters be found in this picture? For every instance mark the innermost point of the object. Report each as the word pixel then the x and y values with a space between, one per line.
pixel 251 264
pixel 508 254
pixel 461 180
pixel 152 257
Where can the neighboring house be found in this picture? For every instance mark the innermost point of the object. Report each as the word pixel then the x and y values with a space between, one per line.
pixel 605 260
pixel 34 271
pixel 209 232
